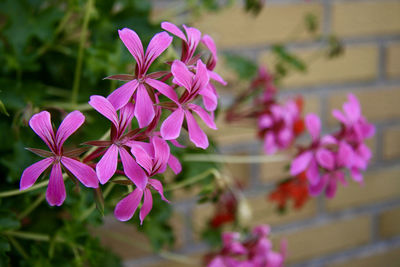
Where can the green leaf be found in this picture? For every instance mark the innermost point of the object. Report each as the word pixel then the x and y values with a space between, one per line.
pixel 245 68
pixel 3 109
pixel 99 200
pixel 8 221
pixel 311 22
pixel 289 58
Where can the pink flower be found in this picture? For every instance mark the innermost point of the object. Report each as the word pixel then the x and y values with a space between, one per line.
pixel 153 158
pixel 41 125
pixel 190 43
pixel 107 165
pixel 194 84
pixel 144 111
pixel 317 155
pixel 277 125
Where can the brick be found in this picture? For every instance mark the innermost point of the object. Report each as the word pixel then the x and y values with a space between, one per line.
pixel 233 27
pixel 233 133
pixel 345 68
pixel 239 172
pixel 378 104
pixel 386 258
pixel 391 143
pixel 326 238
pixel 273 171
pixel 180 261
pixel 361 18
pixel 264 211
pixel 379 186
pixel 389 223
pixel 123 239
pixel 393 60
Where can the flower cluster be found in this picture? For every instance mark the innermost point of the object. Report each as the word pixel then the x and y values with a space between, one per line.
pixel 327 157
pixel 255 251
pixel 143 151
pixel 278 123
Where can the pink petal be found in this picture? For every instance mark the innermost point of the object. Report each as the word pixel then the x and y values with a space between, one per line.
pixel 300 163
pixel 196 134
pixel 316 189
pixel 270 146
pixel 216 77
pixel 30 174
pixel 193 39
pixel 201 79
pixel 132 169
pixel 174 164
pixel 126 115
pixel 209 43
pixel 147 205
pixel 132 41
pixel 68 126
pixel 345 155
pixel 125 209
pixel 83 172
pixel 55 193
pixel 105 108
pixel 163 88
pixel 123 94
pixel 352 108
pixel 161 153
pixel 339 116
pixel 313 124
pixel 313 172
pixel 142 157
pixel 182 76
pixel 169 27
pixel 41 125
pixel 107 165
pixel 156 184
pixel 157 45
pixel 328 140
pixel 203 115
pixel 331 188
pixel 171 127
pixel 144 110
pixel 265 121
pixel 357 175
pixel 210 100
pixel 325 158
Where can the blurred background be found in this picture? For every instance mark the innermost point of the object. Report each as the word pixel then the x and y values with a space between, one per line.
pixel 41 62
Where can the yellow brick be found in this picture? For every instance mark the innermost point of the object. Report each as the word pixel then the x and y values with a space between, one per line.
pixel 239 172
pixel 234 133
pixel 264 211
pixel 274 171
pixel 201 214
pixel 345 68
pixel 393 60
pixel 123 239
pixel 377 104
pixel 388 258
pixel 379 186
pixel 233 27
pixel 327 238
pixel 391 143
pixel 356 18
pixel 389 225
pixel 180 261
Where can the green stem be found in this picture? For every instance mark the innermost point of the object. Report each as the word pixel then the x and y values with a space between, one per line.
pixel 18 247
pixel 194 179
pixel 78 69
pixel 35 236
pixel 233 158
pixel 18 191
pixel 89 211
pixel 32 207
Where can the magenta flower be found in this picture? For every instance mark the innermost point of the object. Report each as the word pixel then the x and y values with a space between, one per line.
pixel 277 125
pixel 190 42
pixel 136 88
pixel 41 125
pixel 153 158
pixel 317 155
pixel 107 165
pixel 193 83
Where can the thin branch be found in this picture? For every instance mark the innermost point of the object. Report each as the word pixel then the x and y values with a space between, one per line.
pixel 234 158
pixel 194 179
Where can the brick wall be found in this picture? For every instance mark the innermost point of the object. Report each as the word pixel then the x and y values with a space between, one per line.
pixel 361 225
